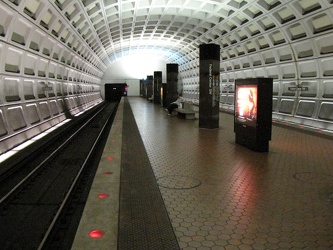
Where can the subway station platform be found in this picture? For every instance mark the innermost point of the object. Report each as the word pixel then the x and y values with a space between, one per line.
pixel 164 183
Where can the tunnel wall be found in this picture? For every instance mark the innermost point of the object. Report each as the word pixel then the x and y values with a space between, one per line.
pixel 47 72
pixel 290 42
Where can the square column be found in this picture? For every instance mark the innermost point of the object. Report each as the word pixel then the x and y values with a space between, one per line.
pixel 172 83
pixel 209 85
pixel 157 86
pixel 143 88
pixel 149 85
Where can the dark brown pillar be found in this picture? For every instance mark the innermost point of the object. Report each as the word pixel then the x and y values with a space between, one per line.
pixel 209 84
pixel 172 82
pixel 157 86
pixel 143 88
pixel 149 84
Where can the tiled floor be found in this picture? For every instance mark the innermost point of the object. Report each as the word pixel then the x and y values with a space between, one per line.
pixel 220 195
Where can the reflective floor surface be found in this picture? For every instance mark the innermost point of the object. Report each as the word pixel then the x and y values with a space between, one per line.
pixel 220 195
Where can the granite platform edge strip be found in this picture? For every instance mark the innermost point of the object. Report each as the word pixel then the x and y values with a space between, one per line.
pixel 143 219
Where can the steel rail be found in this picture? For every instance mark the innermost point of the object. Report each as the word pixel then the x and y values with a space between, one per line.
pixel 70 190
pixel 47 159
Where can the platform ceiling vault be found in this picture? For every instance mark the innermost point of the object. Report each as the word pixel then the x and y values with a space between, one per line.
pixel 174 29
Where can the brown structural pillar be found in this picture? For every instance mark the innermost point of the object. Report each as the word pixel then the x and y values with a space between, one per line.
pixel 143 88
pixel 172 83
pixel 209 84
pixel 163 96
pixel 157 86
pixel 149 86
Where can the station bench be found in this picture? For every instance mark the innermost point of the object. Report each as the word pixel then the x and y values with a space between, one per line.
pixel 186 111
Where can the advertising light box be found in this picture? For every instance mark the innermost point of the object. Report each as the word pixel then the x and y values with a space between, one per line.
pixel 246 105
pixel 253 112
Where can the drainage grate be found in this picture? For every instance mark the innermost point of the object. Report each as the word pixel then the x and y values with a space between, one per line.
pixel 178 182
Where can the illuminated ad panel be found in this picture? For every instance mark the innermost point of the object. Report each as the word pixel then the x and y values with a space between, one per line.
pixel 246 105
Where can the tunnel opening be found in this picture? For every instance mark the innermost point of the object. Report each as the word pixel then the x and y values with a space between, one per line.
pixel 114 91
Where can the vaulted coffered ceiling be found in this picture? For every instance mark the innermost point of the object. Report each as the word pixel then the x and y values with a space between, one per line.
pixel 174 29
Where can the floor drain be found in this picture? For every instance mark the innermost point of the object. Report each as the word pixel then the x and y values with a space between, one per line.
pixel 178 182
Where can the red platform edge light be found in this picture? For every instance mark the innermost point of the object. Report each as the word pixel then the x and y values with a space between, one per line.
pixel 107 173
pixel 110 158
pixel 103 196
pixel 96 233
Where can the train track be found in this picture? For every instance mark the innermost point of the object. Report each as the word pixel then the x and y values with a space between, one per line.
pixel 42 200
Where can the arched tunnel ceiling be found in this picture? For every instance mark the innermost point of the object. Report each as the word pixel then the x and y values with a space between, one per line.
pixel 170 28
pixel 174 29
